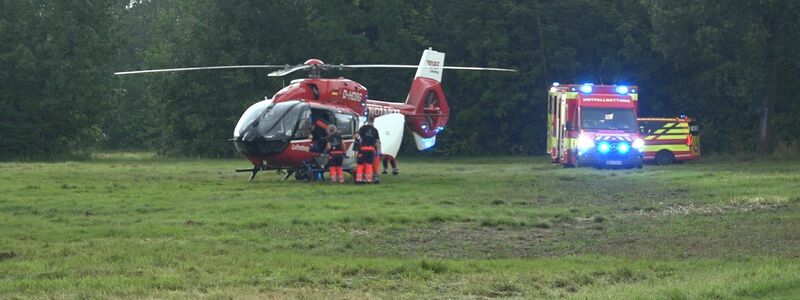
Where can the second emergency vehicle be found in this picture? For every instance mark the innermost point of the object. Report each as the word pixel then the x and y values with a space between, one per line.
pixel 594 125
pixel 668 140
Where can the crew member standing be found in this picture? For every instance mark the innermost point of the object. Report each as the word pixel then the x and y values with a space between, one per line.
pixel 370 144
pixel 335 149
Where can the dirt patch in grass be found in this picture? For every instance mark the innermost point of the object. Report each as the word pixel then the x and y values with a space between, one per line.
pixel 719 230
pixel 729 230
pixel 708 209
pixel 7 255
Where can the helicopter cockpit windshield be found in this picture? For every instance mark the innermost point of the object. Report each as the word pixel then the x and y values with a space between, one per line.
pixel 280 119
pixel 250 115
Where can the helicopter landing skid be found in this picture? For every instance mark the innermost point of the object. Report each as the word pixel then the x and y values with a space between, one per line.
pixel 255 170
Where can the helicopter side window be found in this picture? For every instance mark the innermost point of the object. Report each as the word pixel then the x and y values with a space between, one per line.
pixel 346 124
pixel 303 126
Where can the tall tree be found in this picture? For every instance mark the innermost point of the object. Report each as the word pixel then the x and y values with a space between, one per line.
pixel 54 71
pixel 130 122
pixel 197 110
pixel 732 56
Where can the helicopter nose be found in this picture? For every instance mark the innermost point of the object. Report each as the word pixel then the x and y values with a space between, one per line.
pixel 251 143
pixel 248 136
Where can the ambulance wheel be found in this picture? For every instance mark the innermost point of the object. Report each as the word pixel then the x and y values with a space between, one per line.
pixel 664 157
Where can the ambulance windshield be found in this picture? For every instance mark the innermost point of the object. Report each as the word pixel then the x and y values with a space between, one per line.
pixel 608 118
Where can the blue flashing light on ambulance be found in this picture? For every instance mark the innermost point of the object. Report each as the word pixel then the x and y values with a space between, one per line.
pixel 594 125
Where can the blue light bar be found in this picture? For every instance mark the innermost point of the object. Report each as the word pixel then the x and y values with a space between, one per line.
pixel 603 147
pixel 556 83
pixel 622 90
pixel 586 88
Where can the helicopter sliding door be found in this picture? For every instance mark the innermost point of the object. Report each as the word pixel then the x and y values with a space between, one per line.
pixel 305 125
pixel 346 124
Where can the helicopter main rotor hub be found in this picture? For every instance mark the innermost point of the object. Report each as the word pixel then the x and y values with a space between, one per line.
pixel 315 70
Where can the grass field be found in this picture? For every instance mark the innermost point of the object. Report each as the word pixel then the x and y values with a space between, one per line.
pixel 134 226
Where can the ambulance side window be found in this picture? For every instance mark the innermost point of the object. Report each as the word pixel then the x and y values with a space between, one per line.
pixel 694 128
pixel 648 128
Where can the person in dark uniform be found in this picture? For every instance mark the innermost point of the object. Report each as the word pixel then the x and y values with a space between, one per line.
pixel 369 141
pixel 319 133
pixel 335 149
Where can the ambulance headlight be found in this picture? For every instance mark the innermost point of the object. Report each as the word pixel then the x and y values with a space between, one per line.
pixel 585 143
pixel 623 148
pixel 603 147
pixel 638 144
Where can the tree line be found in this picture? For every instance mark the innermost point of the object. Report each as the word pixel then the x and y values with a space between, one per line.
pixel 734 67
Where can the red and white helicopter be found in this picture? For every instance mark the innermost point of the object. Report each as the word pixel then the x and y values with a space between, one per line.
pixel 275 134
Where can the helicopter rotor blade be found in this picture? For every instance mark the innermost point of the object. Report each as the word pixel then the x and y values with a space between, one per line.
pixel 288 71
pixel 201 68
pixel 415 66
pixel 477 69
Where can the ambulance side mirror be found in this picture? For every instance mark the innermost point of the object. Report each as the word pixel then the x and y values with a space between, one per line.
pixel 569 126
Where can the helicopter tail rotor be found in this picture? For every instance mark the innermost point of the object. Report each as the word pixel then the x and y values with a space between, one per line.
pixel 431 111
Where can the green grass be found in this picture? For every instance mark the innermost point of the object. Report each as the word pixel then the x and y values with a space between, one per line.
pixel 132 225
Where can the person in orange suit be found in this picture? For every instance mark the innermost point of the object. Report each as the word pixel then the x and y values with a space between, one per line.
pixel 335 150
pixel 369 141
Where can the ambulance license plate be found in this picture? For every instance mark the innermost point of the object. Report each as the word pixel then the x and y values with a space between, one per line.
pixel 614 162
